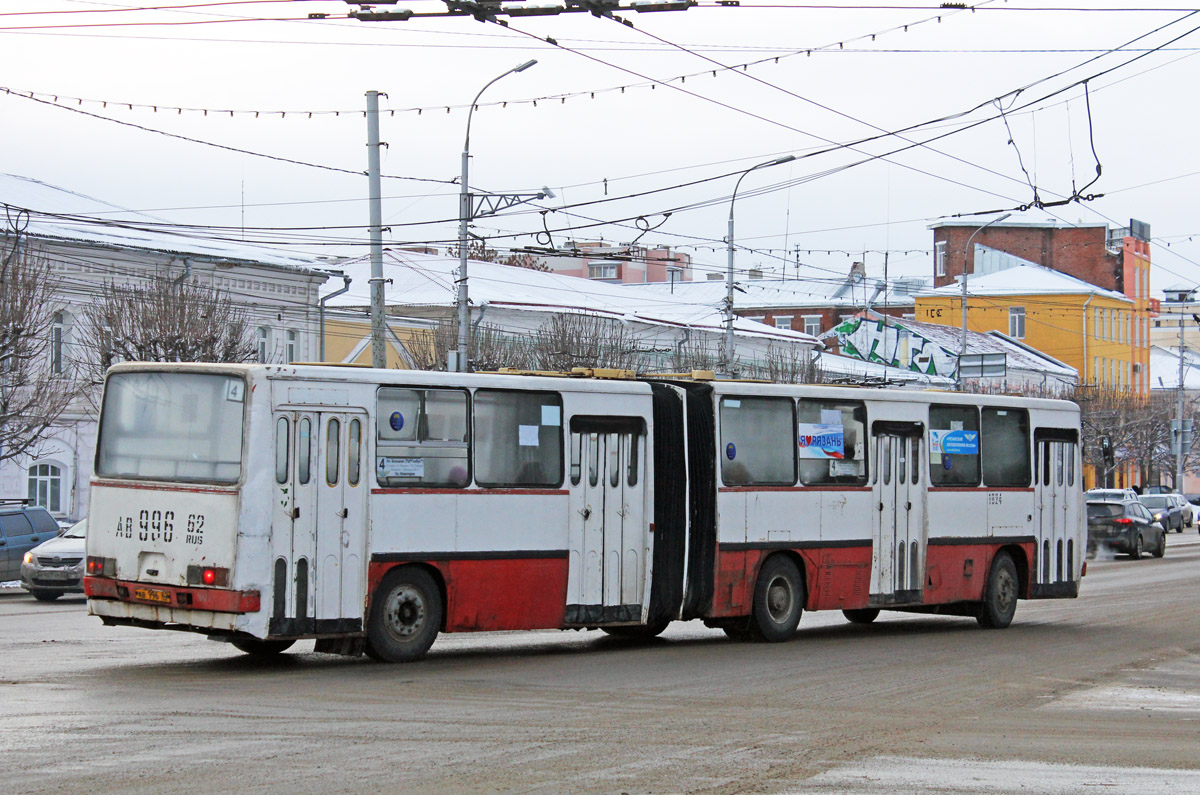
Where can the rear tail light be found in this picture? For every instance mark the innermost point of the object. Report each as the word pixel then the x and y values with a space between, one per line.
pixel 1123 520
pixel 101 567
pixel 208 575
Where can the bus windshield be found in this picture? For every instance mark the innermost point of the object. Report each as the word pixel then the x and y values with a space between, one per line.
pixel 172 426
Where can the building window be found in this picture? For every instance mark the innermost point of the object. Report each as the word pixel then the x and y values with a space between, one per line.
pixel 1016 322
pixel 1099 321
pixel 264 335
pixel 812 324
pixel 606 270
pixel 57 328
pixel 46 487
pixel 939 258
pixel 290 348
pixel 783 322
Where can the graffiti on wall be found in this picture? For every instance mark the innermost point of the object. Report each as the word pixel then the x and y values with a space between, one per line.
pixel 875 341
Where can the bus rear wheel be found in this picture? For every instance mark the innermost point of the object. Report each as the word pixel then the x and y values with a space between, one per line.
pixel 1000 594
pixel 261 648
pixel 863 615
pixel 406 614
pixel 778 600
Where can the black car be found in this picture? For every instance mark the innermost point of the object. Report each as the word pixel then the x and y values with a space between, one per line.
pixel 1124 526
pixel 22 528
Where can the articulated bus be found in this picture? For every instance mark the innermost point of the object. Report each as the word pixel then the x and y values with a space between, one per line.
pixel 370 509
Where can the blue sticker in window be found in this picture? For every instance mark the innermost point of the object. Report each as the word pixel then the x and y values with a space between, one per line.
pixel 730 451
pixel 396 420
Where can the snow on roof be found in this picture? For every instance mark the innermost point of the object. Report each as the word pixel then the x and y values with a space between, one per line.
pixel 754 294
pixel 428 280
pixel 1026 280
pixel 58 214
pixel 1164 368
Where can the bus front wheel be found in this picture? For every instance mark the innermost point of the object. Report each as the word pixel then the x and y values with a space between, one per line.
pixel 778 600
pixel 1000 594
pixel 406 614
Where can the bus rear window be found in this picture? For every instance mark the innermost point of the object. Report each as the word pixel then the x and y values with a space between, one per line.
pixel 172 426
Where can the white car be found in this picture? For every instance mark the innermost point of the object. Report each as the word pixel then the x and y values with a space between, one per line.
pixel 1111 494
pixel 55 567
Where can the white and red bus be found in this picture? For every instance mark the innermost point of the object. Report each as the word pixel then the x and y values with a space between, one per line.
pixel 371 509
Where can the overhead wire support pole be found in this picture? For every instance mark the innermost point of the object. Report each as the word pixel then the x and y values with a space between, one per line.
pixel 457 362
pixel 962 350
pixel 378 351
pixel 727 348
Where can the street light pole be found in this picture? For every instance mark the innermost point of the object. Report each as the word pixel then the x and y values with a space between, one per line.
pixel 727 348
pixel 464 220
pixel 963 347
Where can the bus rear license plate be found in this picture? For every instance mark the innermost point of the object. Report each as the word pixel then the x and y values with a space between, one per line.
pixel 152 595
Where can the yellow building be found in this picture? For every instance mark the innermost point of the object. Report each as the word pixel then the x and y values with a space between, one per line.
pixel 1080 324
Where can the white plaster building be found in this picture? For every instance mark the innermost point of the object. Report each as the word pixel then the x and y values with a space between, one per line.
pixel 90 242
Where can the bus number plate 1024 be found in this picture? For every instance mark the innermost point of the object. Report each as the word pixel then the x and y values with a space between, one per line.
pixel 152 595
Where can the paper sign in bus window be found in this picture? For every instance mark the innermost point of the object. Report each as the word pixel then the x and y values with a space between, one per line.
pixel 396 467
pixel 527 435
pixel 821 440
pixel 954 442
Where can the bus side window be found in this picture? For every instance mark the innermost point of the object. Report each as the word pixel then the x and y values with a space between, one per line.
pixel 283 444
pixel 421 437
pixel 831 442
pixel 953 445
pixel 1005 446
pixel 756 441
pixel 518 439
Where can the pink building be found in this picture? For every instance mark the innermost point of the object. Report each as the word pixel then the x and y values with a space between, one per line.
pixel 620 263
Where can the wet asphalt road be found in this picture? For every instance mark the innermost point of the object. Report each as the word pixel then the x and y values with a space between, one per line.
pixel 1101 693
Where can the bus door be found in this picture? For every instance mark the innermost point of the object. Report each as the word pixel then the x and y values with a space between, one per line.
pixel 899 537
pixel 1057 556
pixel 341 523
pixel 321 512
pixel 608 536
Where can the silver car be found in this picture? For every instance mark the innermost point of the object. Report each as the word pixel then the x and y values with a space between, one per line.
pixel 1185 507
pixel 55 567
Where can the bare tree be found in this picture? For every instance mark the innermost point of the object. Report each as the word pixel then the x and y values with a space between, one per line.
pixel 35 390
pixel 166 321
pixel 477 250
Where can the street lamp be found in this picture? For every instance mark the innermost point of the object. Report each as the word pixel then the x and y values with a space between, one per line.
pixel 464 219
pixel 727 350
pixel 963 348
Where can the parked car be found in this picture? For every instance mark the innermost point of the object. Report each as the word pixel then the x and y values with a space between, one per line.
pixel 1165 510
pixel 1124 526
pixel 1185 507
pixel 55 567
pixel 1110 494
pixel 22 527
pixel 1156 490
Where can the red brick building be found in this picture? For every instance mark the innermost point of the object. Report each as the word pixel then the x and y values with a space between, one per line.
pixel 1114 259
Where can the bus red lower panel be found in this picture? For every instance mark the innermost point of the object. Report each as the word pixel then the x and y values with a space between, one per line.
pixel 838 577
pixel 491 594
pixel 957 572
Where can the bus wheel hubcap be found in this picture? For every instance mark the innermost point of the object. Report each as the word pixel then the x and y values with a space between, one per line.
pixel 405 612
pixel 779 599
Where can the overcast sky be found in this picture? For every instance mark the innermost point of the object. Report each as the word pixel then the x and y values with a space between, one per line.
pixel 844 73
